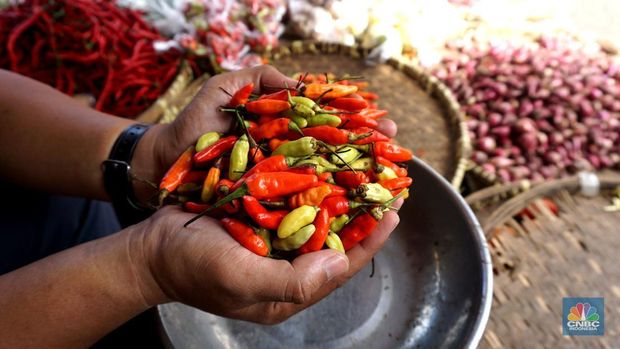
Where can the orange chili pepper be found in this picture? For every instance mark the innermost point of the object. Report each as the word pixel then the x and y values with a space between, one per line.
pixel 275 128
pixel 368 95
pixel 350 104
pixel 328 91
pixel 267 106
pixel 392 152
pixel 259 214
pixel 311 197
pixel 174 177
pixel 400 171
pixel 241 96
pixel 274 143
pixel 208 186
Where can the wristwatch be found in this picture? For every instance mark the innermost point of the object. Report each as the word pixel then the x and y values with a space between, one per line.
pixel 117 179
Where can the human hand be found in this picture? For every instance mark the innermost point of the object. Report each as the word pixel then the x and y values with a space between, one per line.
pixel 164 143
pixel 204 267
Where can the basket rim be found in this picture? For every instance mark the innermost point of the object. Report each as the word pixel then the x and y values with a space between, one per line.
pixel 428 83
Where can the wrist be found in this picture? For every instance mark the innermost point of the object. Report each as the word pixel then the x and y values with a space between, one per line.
pixel 140 246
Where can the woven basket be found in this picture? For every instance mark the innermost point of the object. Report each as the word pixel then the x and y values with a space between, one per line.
pixel 427 114
pixel 538 261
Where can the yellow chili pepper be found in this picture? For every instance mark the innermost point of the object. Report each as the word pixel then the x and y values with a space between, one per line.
pixel 333 241
pixel 311 197
pixel 338 223
pixel 324 119
pixel 208 186
pixel 295 240
pixel 346 153
pixel 239 158
pixel 302 147
pixel 362 164
pixel 296 219
pixel 206 140
pixel 384 173
pixel 373 192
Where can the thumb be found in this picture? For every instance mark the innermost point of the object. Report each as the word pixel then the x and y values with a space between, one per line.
pixel 298 281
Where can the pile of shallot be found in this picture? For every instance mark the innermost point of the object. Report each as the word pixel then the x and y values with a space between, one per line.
pixel 540 111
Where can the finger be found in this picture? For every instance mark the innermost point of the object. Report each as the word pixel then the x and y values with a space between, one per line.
pixel 271 79
pixel 297 282
pixel 387 127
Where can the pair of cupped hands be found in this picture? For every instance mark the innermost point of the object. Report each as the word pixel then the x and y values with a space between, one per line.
pixel 201 265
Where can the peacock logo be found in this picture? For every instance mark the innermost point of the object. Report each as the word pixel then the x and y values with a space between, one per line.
pixel 583 312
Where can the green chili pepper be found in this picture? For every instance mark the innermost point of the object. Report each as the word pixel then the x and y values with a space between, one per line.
pixel 302 110
pixel 338 223
pixel 206 140
pixel 305 101
pixel 324 119
pixel 333 241
pixel 373 192
pixel 345 154
pixel 299 120
pixel 264 233
pixel 302 147
pixel 362 164
pixel 239 158
pixel 295 240
pixel 296 219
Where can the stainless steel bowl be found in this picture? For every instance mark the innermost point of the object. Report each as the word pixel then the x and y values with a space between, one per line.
pixel 431 288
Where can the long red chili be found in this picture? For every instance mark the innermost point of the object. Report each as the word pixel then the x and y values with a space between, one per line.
pixel 214 150
pixel 375 136
pixel 358 229
pixel 281 95
pixel 194 177
pixel 350 179
pixel 349 104
pixel 392 152
pixel 339 205
pixel 259 214
pixel 241 96
pixel 316 241
pixel 245 236
pixel 331 135
pixel 267 106
pixel 353 121
pixel 273 129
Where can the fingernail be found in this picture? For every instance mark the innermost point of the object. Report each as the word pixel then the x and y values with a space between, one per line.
pixel 336 265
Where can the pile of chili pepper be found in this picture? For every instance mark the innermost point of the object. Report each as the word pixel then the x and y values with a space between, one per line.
pixel 86 46
pixel 304 169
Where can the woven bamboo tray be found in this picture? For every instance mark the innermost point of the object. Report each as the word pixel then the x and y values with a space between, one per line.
pixel 538 261
pixel 427 114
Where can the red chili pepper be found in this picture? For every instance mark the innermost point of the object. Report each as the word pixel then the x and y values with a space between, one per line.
pixel 265 118
pixel 245 236
pixel 267 106
pixel 281 95
pixel 214 150
pixel 260 215
pixel 392 152
pixel 274 143
pixel 353 121
pixel 194 177
pixel 175 174
pixel 368 95
pixel 350 104
pixel 332 135
pixel 273 129
pixel 256 155
pixel 400 171
pixel 276 163
pixel 251 125
pixel 358 229
pixel 241 96
pixel 350 179
pixel 195 207
pixel 375 136
pixel 223 187
pixel 316 241
pixel 373 114
pixel 339 205
pixel 336 190
pixel 326 177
